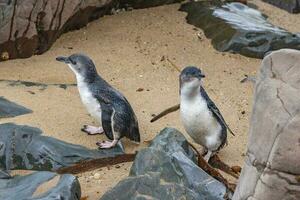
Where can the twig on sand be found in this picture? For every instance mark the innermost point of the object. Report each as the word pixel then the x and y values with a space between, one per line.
pixel 165 112
pixel 176 67
pixel 90 165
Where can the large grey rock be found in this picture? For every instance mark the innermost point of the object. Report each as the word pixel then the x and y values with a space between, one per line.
pixel 40 186
pixel 4 175
pixel 292 6
pixel 272 164
pixel 237 28
pixel 30 27
pixel 167 170
pixel 11 109
pixel 24 147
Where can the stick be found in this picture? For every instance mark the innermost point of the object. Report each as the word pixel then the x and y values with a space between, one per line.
pixel 90 165
pixel 165 112
pixel 173 65
pixel 211 171
pixel 216 162
pixel 214 173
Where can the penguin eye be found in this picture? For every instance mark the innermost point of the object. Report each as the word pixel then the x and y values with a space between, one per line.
pixel 73 62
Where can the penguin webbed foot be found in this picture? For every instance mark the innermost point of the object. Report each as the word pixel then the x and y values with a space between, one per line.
pixel 107 144
pixel 92 130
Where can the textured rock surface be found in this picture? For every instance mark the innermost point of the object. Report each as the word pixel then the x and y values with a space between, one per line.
pixel 4 175
pixel 166 170
pixel 236 28
pixel 40 186
pixel 30 27
pixel 10 109
pixel 292 6
pixel 23 147
pixel 272 164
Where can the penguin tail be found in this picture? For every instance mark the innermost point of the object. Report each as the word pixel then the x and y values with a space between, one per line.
pixel 135 135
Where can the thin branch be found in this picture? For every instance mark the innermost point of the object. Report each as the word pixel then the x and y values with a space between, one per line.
pixel 90 165
pixel 211 171
pixel 216 162
pixel 165 112
pixel 173 65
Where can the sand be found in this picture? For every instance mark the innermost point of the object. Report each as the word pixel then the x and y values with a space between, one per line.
pixel 127 49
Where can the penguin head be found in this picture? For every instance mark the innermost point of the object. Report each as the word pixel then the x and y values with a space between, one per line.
pixel 80 64
pixel 191 77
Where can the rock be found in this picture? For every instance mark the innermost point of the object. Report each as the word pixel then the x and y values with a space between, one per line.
pixel 4 175
pixel 167 170
pixel 40 186
pixel 272 160
pixel 96 176
pixel 32 26
pixel 237 28
pixel 292 6
pixel 24 147
pixel 10 109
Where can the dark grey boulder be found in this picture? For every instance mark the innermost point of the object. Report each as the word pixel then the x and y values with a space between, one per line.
pixel 292 6
pixel 24 147
pixel 40 186
pixel 167 170
pixel 11 109
pixel 32 26
pixel 237 28
pixel 4 175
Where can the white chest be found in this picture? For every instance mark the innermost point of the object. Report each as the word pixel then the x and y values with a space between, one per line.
pixel 89 101
pixel 199 122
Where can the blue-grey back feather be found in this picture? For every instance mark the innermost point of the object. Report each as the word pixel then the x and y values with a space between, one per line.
pixel 112 101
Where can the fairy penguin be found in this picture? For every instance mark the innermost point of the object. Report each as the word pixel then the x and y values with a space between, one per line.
pixel 201 118
pixel 103 102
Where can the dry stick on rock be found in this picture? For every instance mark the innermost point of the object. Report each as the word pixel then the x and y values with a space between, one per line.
pixel 90 165
pixel 211 171
pixel 216 162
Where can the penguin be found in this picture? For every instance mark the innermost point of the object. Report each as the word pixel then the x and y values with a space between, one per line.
pixel 200 116
pixel 103 102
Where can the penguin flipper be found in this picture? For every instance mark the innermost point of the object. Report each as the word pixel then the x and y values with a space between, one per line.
pixel 118 123
pixel 126 124
pixel 216 112
pixel 106 117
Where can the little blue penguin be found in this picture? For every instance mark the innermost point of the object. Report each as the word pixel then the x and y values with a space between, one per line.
pixel 201 118
pixel 103 102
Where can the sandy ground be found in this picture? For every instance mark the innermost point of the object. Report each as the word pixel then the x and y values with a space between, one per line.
pixel 127 49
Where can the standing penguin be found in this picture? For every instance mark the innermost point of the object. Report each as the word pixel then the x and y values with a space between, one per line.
pixel 103 102
pixel 201 118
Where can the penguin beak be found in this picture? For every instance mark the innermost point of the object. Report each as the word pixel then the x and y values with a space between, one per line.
pixel 201 76
pixel 63 59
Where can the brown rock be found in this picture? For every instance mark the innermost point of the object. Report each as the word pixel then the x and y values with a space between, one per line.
pixel 30 27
